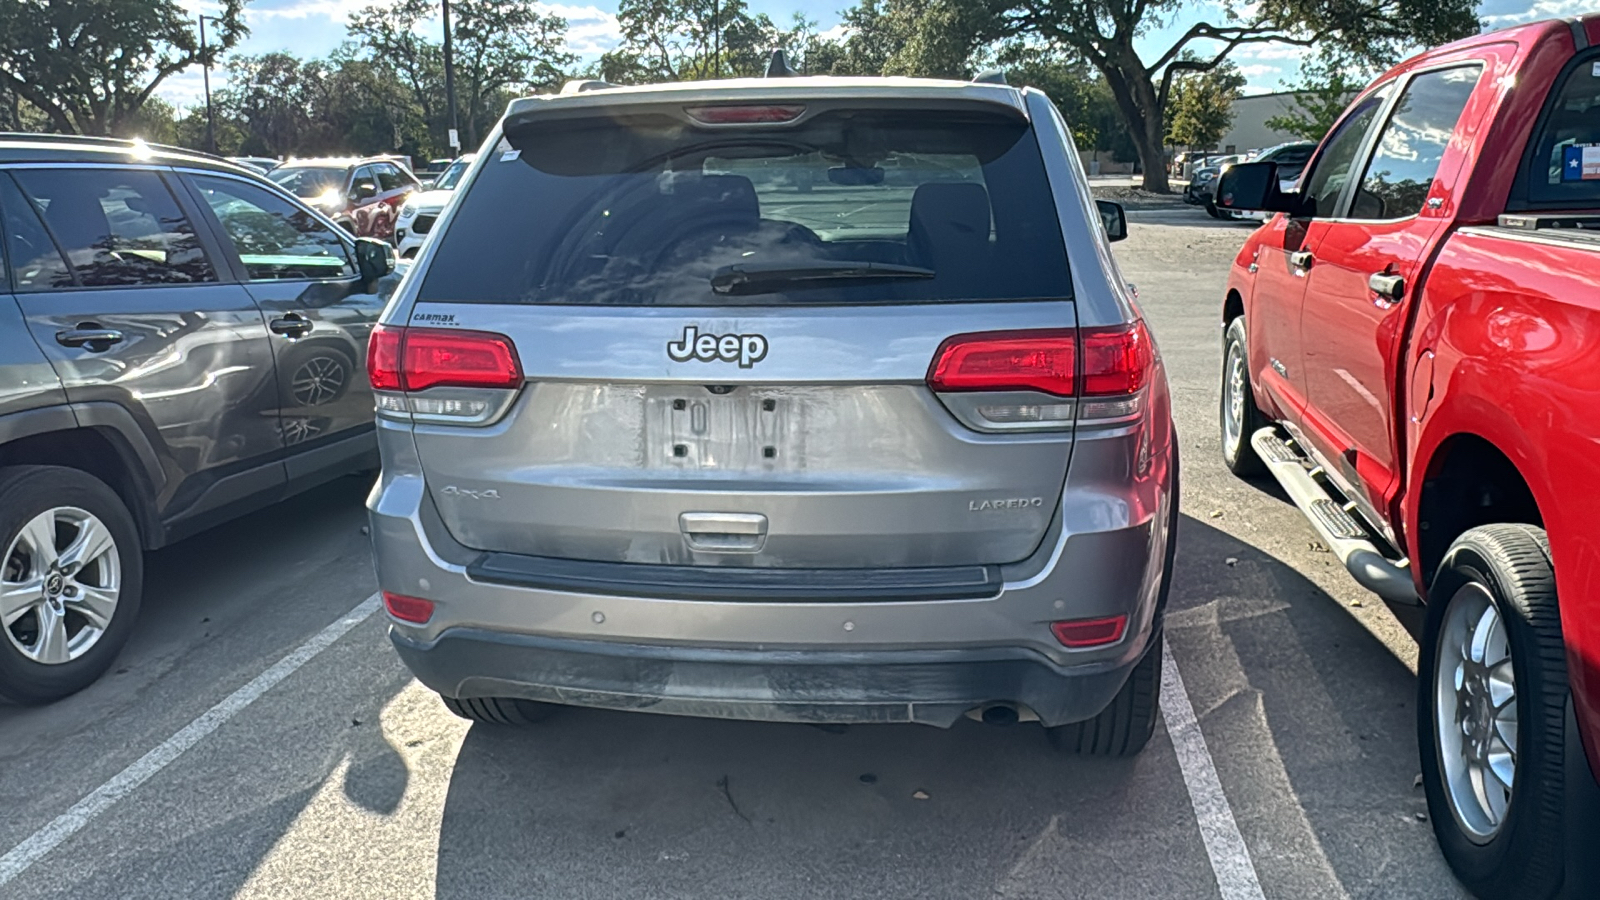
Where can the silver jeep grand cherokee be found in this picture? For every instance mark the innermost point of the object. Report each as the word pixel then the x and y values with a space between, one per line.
pixel 797 399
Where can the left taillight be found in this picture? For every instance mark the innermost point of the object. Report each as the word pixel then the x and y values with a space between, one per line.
pixel 404 363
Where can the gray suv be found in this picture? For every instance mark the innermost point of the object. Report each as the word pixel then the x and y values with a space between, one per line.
pixel 797 399
pixel 180 342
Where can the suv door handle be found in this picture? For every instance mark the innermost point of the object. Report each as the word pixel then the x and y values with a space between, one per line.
pixel 292 325
pixel 1388 287
pixel 89 336
pixel 1301 260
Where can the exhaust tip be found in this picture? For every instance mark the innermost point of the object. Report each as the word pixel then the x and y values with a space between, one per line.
pixel 999 714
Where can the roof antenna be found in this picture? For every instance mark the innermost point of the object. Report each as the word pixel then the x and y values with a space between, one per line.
pixel 990 76
pixel 779 66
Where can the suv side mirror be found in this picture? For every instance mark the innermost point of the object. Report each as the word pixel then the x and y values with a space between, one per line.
pixel 1114 218
pixel 364 190
pixel 374 259
pixel 1253 187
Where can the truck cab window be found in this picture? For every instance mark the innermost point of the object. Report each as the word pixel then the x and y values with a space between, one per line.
pixel 1412 144
pixel 1331 171
pixel 1565 164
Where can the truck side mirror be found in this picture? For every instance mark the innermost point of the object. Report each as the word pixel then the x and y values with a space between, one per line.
pixel 1253 187
pixel 1115 219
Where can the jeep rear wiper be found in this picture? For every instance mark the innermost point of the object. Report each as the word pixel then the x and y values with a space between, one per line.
pixel 743 279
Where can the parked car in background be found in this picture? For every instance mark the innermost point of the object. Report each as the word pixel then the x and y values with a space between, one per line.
pixel 261 164
pixel 604 482
pixel 363 196
pixel 1290 159
pixel 1204 180
pixel 180 342
pixel 1411 350
pixel 422 210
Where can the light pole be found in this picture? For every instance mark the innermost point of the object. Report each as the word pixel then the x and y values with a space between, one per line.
pixel 716 37
pixel 205 70
pixel 450 80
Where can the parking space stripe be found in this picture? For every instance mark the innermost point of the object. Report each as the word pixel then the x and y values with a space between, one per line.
pixel 1230 858
pixel 19 858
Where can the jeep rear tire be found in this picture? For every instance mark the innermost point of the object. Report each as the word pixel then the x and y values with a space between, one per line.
pixel 499 710
pixel 1127 724
pixel 71 574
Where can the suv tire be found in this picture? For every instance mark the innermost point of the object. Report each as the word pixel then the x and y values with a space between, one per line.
pixel 1495 597
pixel 499 710
pixel 75 500
pixel 1238 417
pixel 1127 724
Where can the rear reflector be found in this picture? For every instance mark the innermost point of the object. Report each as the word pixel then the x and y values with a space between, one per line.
pixel 408 609
pixel 767 114
pixel 1043 361
pixel 415 359
pixel 1079 634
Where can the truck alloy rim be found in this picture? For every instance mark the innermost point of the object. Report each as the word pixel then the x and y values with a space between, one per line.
pixel 1475 719
pixel 59 585
pixel 1235 386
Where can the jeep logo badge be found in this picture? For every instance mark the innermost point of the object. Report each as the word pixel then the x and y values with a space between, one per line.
pixel 744 349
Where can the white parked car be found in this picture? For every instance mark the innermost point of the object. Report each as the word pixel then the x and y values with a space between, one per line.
pixel 423 209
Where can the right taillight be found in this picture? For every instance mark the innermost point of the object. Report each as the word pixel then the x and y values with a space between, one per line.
pixel 403 362
pixel 1084 374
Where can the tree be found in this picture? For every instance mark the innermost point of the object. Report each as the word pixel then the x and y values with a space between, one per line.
pixel 1324 90
pixel 1200 108
pixel 1108 35
pixel 90 65
pixel 687 40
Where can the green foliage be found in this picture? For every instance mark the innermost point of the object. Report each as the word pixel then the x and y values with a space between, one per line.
pixel 689 40
pixel 90 65
pixel 1324 89
pixel 1200 107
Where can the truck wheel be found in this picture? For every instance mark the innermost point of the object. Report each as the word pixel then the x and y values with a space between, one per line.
pixel 1127 724
pixel 1211 209
pixel 1240 417
pixel 1491 713
pixel 70 579
pixel 499 710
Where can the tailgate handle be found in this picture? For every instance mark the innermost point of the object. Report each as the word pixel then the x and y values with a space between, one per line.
pixel 724 532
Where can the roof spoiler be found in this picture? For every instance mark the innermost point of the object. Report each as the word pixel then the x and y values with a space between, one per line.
pixel 990 76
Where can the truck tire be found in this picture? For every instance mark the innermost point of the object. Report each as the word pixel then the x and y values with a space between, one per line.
pixel 71 575
pixel 1127 724
pixel 1492 696
pixel 499 710
pixel 1239 417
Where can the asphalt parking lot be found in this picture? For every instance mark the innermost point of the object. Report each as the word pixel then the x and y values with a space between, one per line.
pixel 259 738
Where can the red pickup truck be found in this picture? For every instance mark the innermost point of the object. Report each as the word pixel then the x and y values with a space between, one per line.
pixel 1413 350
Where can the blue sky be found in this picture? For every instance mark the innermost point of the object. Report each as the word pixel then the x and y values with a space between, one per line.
pixel 315 27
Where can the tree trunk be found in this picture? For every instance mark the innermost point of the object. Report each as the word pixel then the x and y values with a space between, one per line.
pixel 1136 99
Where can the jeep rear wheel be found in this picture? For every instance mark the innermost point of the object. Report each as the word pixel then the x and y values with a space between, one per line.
pixel 499 710
pixel 70 580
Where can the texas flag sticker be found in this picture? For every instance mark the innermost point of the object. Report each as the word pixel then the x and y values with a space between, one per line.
pixel 1581 164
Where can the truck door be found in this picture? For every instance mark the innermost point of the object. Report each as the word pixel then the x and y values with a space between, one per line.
pixel 1286 257
pixel 1367 261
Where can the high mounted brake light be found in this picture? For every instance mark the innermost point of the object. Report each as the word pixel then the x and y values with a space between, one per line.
pixel 766 114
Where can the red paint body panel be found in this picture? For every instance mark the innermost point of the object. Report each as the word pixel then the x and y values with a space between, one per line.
pixel 1497 336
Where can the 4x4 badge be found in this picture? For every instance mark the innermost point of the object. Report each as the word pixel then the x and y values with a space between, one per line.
pixel 744 349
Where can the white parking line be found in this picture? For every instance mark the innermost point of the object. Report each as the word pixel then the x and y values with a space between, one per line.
pixel 1230 858
pixel 19 858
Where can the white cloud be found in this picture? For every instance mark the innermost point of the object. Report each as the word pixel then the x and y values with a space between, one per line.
pixel 837 33
pixel 1540 9
pixel 1259 70
pixel 337 10
pixel 1272 51
pixel 591 31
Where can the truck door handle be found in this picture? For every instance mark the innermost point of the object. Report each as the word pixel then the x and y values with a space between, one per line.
pixel 90 336
pixel 1390 287
pixel 291 326
pixel 1301 260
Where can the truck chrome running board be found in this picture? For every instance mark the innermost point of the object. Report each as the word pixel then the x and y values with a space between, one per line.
pixel 1337 527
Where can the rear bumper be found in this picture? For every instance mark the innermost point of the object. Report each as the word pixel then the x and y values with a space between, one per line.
pixel 930 687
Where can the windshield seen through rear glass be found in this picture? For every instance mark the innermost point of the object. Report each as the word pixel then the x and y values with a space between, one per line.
pixel 873 206
pixel 307 181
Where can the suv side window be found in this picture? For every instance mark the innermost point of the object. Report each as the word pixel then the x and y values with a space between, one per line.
pixel 36 262
pixel 388 178
pixel 276 239
pixel 1412 145
pixel 364 175
pixel 117 227
pixel 1332 170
